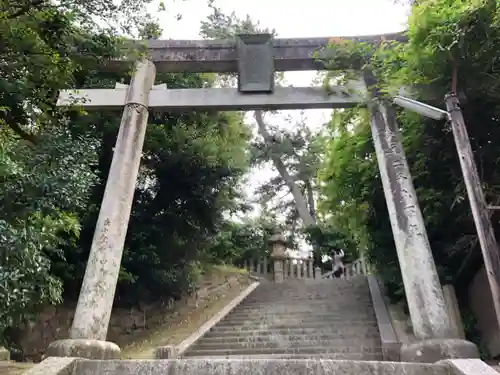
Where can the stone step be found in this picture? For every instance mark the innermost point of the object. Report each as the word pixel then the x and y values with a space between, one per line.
pixel 279 342
pixel 304 309
pixel 310 294
pixel 317 326
pixel 330 302
pixel 307 350
pixel 297 320
pixel 343 332
pixel 268 365
pixel 320 303
pixel 319 288
pixel 256 314
pixel 309 356
pixel 298 356
pixel 278 322
pixel 310 315
pixel 354 280
pixel 316 284
pixel 313 288
pixel 291 299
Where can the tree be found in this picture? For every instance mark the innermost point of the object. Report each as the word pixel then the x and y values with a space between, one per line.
pixel 299 152
pixel 54 163
pixel 46 168
pixel 224 26
pixel 126 17
pixel 451 47
pixel 237 242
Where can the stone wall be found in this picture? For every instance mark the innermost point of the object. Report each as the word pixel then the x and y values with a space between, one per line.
pixel 481 304
pixel 126 325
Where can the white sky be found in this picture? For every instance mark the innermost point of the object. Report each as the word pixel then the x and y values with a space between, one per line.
pixel 312 18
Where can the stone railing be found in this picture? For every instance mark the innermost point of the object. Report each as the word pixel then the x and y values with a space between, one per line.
pixel 279 266
pixel 301 269
pixel 357 268
pixel 291 268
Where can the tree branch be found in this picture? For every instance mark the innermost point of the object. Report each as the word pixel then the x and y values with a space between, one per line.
pixel 13 124
pixel 25 9
pixel 300 202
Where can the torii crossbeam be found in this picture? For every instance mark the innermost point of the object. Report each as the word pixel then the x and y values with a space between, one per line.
pixel 255 58
pixel 221 56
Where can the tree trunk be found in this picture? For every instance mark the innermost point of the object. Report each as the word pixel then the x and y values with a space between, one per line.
pixel 310 199
pixel 300 202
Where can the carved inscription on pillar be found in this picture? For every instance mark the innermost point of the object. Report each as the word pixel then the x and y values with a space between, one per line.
pixel 255 63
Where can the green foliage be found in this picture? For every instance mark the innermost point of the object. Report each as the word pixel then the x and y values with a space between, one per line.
pixel 54 164
pixel 326 240
pixel 43 188
pixel 237 242
pixel 46 169
pixel 451 43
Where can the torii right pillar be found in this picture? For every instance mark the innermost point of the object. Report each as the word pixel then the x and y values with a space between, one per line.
pixel 432 326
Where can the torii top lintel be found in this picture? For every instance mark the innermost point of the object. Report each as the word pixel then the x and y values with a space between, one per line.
pixel 220 56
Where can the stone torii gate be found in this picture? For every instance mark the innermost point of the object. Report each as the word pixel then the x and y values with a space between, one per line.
pixel 255 58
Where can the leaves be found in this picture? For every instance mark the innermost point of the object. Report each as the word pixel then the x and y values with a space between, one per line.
pixel 54 164
pixel 442 34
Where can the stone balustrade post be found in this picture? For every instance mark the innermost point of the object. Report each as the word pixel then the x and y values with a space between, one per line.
pixel 317 272
pixel 310 268
pixel 4 354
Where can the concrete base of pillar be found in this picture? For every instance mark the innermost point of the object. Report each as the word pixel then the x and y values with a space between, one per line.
pixel 434 350
pixel 4 354
pixel 82 348
pixel 166 352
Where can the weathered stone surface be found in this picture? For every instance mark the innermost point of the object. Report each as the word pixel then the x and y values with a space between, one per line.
pixel 222 99
pixel 425 298
pixel 481 303
pixel 469 367
pixel 319 317
pixel 191 339
pixel 220 56
pixel 54 323
pixel 277 238
pixel 4 354
pixel 434 350
pixel 54 366
pixel 453 310
pixel 278 251
pixel 255 63
pixel 95 302
pixel 81 348
pixel 210 366
pixel 317 273
pixel 391 347
pixel 166 352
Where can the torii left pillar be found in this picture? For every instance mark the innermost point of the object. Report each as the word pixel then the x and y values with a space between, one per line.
pixel 90 324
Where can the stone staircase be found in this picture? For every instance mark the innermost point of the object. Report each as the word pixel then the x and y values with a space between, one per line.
pixel 318 327
pixel 318 318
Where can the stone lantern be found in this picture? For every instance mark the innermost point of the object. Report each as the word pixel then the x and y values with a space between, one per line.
pixel 278 255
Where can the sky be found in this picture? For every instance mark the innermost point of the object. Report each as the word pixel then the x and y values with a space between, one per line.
pixel 291 19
